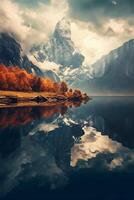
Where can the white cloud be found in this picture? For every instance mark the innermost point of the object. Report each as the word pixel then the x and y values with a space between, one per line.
pixel 31 25
pixel 11 19
pixel 35 25
pixel 44 18
pixel 94 43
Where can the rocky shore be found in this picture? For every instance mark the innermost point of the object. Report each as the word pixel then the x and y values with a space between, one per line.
pixel 9 97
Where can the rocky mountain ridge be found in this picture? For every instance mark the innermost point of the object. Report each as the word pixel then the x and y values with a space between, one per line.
pixel 60 48
pixel 11 54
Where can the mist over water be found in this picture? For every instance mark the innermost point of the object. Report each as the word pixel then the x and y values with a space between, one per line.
pixel 64 152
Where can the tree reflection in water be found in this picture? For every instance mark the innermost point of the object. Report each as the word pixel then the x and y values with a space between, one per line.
pixel 21 116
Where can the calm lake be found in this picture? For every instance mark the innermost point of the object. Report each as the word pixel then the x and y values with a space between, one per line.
pixel 60 152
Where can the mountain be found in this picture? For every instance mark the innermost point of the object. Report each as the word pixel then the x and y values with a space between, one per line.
pixel 11 54
pixel 112 73
pixel 60 48
pixel 38 151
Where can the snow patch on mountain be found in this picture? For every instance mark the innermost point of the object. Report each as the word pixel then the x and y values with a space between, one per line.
pixel 49 69
pixel 60 48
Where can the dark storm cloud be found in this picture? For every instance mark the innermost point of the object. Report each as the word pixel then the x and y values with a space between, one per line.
pixel 31 3
pixel 98 11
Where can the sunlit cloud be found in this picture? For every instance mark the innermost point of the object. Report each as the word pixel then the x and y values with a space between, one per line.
pixel 94 43
pixel 33 22
pixel 31 25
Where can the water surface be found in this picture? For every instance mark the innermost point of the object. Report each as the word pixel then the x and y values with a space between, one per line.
pixel 67 152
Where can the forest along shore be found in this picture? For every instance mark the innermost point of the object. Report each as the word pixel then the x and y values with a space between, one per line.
pixel 18 86
pixel 15 97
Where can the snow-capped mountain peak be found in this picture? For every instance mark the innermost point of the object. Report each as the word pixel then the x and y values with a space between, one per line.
pixel 63 29
pixel 60 48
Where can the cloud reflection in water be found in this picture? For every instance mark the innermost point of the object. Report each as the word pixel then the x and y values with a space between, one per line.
pixel 93 147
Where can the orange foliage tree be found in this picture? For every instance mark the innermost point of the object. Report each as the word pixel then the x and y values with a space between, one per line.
pixel 16 79
pixel 63 87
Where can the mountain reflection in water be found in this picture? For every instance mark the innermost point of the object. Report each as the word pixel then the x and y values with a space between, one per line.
pixel 16 116
pixel 67 151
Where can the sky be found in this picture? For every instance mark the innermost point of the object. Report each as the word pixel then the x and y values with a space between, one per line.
pixel 98 26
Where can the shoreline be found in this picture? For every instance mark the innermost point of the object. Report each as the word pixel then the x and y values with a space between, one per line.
pixel 19 99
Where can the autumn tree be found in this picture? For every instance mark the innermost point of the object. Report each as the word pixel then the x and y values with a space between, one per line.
pixel 12 82
pixel 63 87
pixel 76 95
pixel 3 82
pixel 69 93
pixel 49 85
pixel 14 78
pixel 56 87
pixel 24 82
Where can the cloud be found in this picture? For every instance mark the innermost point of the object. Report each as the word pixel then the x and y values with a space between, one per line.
pixel 94 42
pixel 101 26
pixel 110 32
pixel 31 25
pixel 12 21
pixel 97 11
pixel 97 26
pixel 44 18
pixel 31 3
